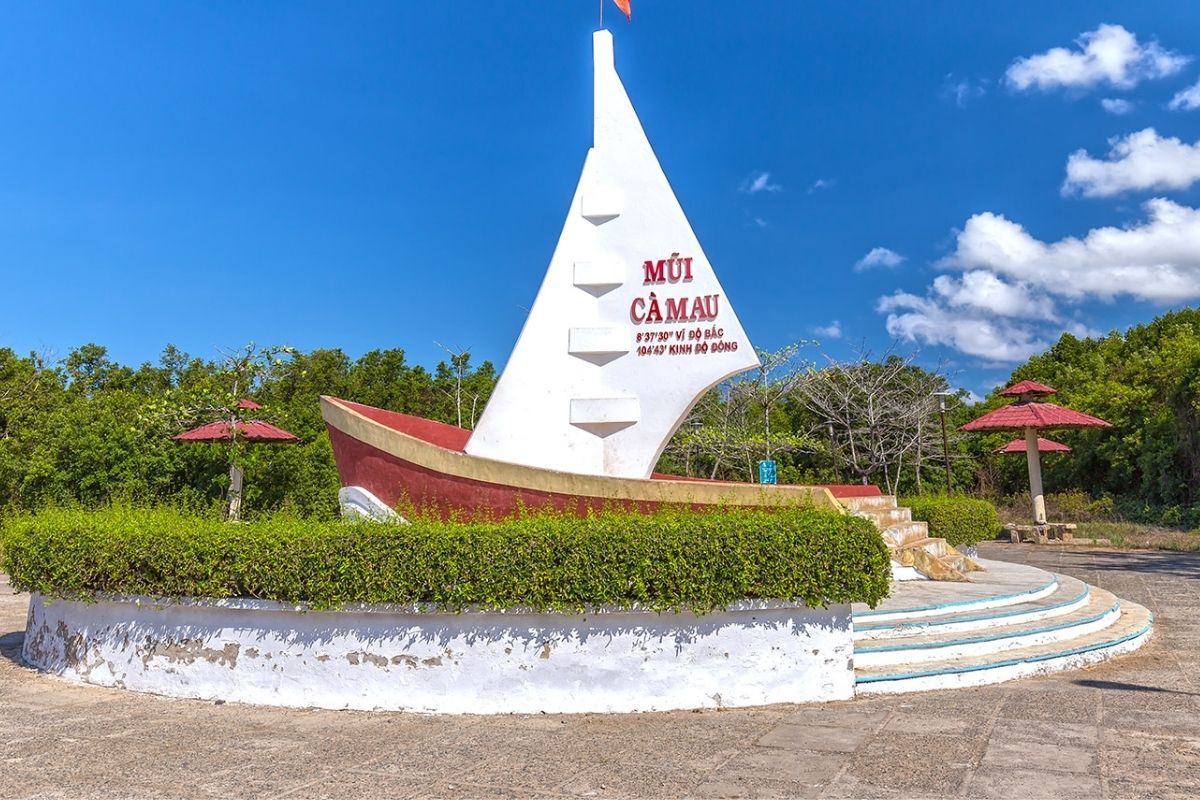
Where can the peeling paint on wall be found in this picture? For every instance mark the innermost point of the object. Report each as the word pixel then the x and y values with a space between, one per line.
pixel 471 662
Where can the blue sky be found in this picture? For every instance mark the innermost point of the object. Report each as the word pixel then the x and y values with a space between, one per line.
pixel 392 175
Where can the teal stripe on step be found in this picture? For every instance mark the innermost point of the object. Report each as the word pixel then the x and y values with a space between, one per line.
pixel 1009 662
pixel 992 637
pixel 1000 614
pixel 968 604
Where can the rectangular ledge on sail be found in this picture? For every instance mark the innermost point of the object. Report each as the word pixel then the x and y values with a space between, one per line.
pixel 598 277
pixel 600 205
pixel 602 343
pixel 605 415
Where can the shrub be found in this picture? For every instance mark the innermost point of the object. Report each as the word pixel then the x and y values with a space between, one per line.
pixel 669 560
pixel 1068 506
pixel 1187 517
pixel 958 520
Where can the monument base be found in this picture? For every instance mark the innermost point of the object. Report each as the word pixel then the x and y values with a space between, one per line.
pixel 380 658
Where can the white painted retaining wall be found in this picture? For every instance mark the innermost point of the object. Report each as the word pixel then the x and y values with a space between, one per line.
pixel 469 663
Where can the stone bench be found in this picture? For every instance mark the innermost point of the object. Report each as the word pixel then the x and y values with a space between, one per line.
pixel 1041 534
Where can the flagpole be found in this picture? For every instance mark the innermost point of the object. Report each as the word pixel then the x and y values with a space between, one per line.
pixel 601 14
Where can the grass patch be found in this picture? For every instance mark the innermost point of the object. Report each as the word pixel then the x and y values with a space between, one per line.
pixel 666 561
pixel 1136 535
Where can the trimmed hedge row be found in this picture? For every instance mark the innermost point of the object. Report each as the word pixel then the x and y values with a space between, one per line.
pixel 665 561
pixel 958 520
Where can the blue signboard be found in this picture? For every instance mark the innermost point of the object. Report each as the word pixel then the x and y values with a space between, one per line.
pixel 766 472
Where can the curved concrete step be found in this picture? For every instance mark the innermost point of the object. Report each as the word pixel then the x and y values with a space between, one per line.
pixel 883 517
pixel 1068 595
pixel 868 503
pixel 905 534
pixel 1101 610
pixel 1002 584
pixel 1131 629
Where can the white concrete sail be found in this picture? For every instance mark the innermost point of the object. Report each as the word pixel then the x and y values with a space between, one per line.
pixel 630 326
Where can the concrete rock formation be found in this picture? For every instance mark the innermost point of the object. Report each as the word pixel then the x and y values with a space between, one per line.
pixel 909 542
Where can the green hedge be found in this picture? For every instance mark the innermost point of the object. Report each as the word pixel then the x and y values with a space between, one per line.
pixel 669 560
pixel 958 520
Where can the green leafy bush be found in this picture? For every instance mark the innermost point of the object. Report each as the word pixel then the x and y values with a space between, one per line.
pixel 669 560
pixel 1068 506
pixel 1185 516
pixel 958 520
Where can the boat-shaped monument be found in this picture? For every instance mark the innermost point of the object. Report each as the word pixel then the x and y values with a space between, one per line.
pixel 629 328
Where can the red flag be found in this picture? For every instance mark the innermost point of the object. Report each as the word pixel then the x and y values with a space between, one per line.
pixel 624 6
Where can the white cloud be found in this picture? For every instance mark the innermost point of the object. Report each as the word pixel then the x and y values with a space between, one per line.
pixel 759 182
pixel 1115 105
pixel 1004 307
pixel 821 183
pixel 983 291
pixel 879 257
pixel 831 331
pixel 760 222
pixel 1141 160
pixel 978 314
pixel 1156 260
pixel 927 321
pixel 1109 55
pixel 1186 100
pixel 961 90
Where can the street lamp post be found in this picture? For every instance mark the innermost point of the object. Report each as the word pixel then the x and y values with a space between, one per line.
pixel 941 396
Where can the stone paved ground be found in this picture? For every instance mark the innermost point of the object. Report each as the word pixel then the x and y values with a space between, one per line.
pixel 1126 729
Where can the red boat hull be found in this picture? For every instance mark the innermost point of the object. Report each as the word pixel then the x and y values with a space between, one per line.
pixel 410 462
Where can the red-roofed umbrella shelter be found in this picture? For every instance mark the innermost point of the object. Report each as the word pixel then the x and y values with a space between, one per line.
pixel 251 430
pixel 232 431
pixel 1043 445
pixel 1030 414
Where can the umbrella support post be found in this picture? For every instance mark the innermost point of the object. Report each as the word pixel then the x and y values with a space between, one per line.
pixel 235 494
pixel 1035 476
